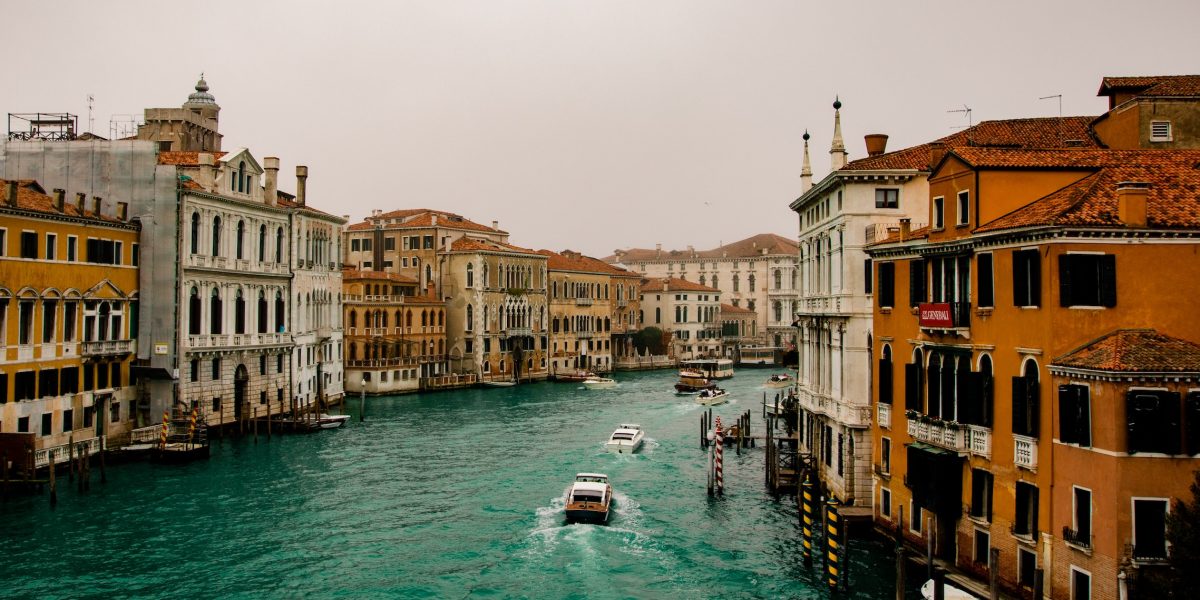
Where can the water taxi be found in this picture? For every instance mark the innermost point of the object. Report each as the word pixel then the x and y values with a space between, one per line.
pixel 589 498
pixel 599 383
pixel 711 368
pixel 712 397
pixel 627 439
pixel 691 382
pixel 779 381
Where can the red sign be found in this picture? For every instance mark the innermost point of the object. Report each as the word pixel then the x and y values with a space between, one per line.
pixel 936 314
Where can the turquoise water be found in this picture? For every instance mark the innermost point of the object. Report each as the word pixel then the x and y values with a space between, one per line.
pixel 444 495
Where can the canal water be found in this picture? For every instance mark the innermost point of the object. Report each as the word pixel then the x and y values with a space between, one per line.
pixel 443 495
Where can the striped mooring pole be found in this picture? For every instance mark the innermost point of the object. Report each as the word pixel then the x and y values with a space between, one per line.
pixel 718 447
pixel 833 540
pixel 806 519
pixel 162 439
pixel 192 425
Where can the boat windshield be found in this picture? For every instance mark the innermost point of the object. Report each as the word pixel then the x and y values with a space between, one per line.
pixel 587 497
pixel 622 436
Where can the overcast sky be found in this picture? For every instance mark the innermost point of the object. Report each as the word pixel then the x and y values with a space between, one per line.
pixel 588 125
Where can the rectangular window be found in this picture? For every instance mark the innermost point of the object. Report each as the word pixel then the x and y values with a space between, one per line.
pixel 279 363
pixel 195 370
pixel 216 405
pixel 914 517
pixel 1081 522
pixel 25 386
pixel 49 320
pixel 1026 567
pixel 29 245
pixel 1027 278
pixel 114 411
pixel 868 277
pixel 1152 421
pixel 427 242
pixel 885 455
pixel 983 264
pixel 51 246
pixel 887 198
pixel 939 213
pixel 89 377
pixel 1150 528
pixel 216 369
pixel 1025 522
pixel 68 420
pixel 72 248
pixel 1074 415
pixel 1087 280
pixel 1081 584
pixel 1025 406
pixel 25 322
pixel 964 208
pixel 88 416
pixel 136 257
pixel 354 245
pixel 366 244
pixel 983 546
pixel 389 243
pixel 916 282
pixel 23 425
pixel 47 421
pixel 262 397
pixel 3 238
pixel 981 494
pixel 1160 131
pixel 887 284
pixel 885 503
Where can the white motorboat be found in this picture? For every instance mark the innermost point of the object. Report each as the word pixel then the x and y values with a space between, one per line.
pixel 627 439
pixel 599 383
pixel 499 383
pixel 589 498
pixel 779 381
pixel 332 421
pixel 712 397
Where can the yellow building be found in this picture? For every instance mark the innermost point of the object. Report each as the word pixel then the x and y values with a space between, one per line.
pixel 68 318
pixel 589 311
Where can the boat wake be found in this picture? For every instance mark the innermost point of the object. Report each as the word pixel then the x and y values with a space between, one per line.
pixel 624 531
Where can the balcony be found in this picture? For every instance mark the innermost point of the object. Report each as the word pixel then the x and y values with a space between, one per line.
pixel 584 335
pixel 324 332
pixel 944 315
pixel 374 298
pixel 948 435
pixel 839 411
pixel 229 340
pixel 621 303
pixel 41 458
pixel 1082 539
pixel 979 441
pixel 583 302
pixel 883 415
pixel 518 331
pixel 107 348
pixel 1025 452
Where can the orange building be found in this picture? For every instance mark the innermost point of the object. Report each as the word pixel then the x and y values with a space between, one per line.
pixel 1024 428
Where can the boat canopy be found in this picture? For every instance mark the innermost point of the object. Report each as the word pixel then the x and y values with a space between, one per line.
pixel 586 486
pixel 591 477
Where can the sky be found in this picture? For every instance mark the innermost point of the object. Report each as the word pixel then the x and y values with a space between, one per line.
pixel 584 125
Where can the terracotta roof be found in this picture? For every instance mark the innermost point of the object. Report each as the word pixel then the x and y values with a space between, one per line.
pixel 1152 85
pixel 420 218
pixel 916 234
pixel 466 244
pixel 286 200
pixel 578 263
pixel 1172 201
pixel 729 308
pixel 32 197
pixel 751 246
pixel 1048 132
pixel 184 158
pixel 675 284
pixel 349 274
pixel 1134 351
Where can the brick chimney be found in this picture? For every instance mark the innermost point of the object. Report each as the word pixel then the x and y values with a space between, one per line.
pixel 495 224
pixel 1131 203
pixel 905 228
pixel 937 150
pixel 301 181
pixel 60 199
pixel 80 197
pixel 123 211
pixel 98 204
pixel 10 195
pixel 876 143
pixel 206 175
pixel 271 180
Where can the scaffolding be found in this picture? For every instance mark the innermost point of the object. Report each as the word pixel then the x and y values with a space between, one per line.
pixel 42 126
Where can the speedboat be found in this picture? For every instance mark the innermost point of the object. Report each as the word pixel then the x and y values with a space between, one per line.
pixel 627 439
pixel 712 397
pixel 779 381
pixel 499 383
pixel 691 382
pixel 332 421
pixel 589 498
pixel 598 383
pixel 578 376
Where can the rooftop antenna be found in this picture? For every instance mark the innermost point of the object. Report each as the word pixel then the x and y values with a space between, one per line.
pixel 91 99
pixel 1060 122
pixel 965 109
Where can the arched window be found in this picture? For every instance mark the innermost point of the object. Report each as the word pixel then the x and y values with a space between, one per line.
pixel 279 245
pixel 734 285
pixel 1026 397
pixel 105 315
pixel 241 239
pixel 354 318
pixel 195 233
pixel 280 312
pixel 194 312
pixel 737 282
pixel 983 415
pixel 262 312
pixel 470 275
pixel 485 282
pixel 399 320
pixel 750 282
pixel 778 279
pixel 262 243
pixel 384 317
pixel 441 318
pixel 424 319
pixel 241 177
pixel 408 318
pixel 214 312
pixel 716 283
pixel 778 308
pixel 239 313
pixel 470 318
pixel 428 274
pixel 216 236
pixel 885 375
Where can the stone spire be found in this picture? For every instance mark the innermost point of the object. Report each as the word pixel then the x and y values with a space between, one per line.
pixel 837 150
pixel 806 171
pixel 201 101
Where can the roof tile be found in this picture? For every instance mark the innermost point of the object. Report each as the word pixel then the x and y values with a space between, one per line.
pixel 1134 351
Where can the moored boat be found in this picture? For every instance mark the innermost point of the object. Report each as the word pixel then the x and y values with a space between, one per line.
pixel 712 397
pixel 578 376
pixel 779 381
pixel 499 383
pixel 627 439
pixel 599 383
pixel 589 498
pixel 332 421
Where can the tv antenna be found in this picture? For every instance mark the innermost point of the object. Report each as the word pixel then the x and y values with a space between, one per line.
pixel 91 99
pixel 1060 121
pixel 965 110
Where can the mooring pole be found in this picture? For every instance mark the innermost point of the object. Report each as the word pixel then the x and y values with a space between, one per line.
pixel 362 402
pixel 806 520
pixel 53 485
pixel 718 450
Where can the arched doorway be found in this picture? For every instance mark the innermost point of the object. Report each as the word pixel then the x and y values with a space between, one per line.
pixel 241 379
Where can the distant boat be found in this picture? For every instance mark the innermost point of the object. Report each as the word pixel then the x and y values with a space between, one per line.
pixel 578 376
pixel 499 383
pixel 710 368
pixel 599 383
pixel 332 421
pixel 691 382
pixel 779 381
pixel 627 439
pixel 589 498
pixel 712 397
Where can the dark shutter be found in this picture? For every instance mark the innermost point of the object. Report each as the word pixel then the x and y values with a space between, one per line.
pixel 1035 277
pixel 1033 407
pixel 987 391
pixel 887 284
pixel 1169 412
pixel 916 282
pixel 1191 413
pixel 912 387
pixel 1108 280
pixel 962 394
pixel 1068 414
pixel 986 293
pixel 1020 279
pixel 885 381
pixel 870 277
pixel 933 408
pixel 935 265
pixel 969 409
pixel 948 388
pixel 1064 280
pixel 1020 418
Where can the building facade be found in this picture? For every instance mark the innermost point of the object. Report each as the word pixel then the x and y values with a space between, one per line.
pixel 396 338
pixel 590 316
pixel 690 312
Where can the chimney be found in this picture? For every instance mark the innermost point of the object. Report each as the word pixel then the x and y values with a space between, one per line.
pixel 937 150
pixel 271 180
pixel 80 197
pixel 495 224
pixel 691 250
pixel 301 180
pixel 905 228
pixel 10 196
pixel 60 199
pixel 123 211
pixel 206 176
pixel 876 143
pixel 1131 202
pixel 434 220
pixel 98 203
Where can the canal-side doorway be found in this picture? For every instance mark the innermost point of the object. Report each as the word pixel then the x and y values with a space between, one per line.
pixel 241 379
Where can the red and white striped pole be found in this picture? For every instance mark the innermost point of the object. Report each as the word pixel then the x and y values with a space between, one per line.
pixel 718 447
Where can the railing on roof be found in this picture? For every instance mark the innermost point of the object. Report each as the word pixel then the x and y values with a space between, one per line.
pixel 877 232
pixel 43 126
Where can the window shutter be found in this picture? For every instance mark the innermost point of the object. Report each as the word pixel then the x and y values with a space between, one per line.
pixel 948 388
pixel 968 397
pixel 1035 277
pixel 1108 280
pixel 1066 413
pixel 1064 280
pixel 912 387
pixel 885 381
pixel 1191 413
pixel 1033 406
pixel 1020 279
pixel 1169 408
pixel 933 408
pixel 915 268
pixel 1019 411
pixel 1134 417
pixel 870 277
pixel 986 293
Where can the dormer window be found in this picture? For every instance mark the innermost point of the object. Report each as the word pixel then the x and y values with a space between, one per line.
pixel 1160 131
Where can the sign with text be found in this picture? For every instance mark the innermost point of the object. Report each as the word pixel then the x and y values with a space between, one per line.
pixel 936 314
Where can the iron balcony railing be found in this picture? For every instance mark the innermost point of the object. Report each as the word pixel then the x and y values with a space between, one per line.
pixel 1082 539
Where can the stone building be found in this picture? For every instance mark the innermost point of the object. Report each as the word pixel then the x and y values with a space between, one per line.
pixel 590 317
pixel 396 338
pixel 690 312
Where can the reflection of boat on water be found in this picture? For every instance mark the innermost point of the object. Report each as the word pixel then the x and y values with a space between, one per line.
pixel 589 498
pixel 779 381
pixel 950 592
pixel 712 397
pixel 578 376
pixel 599 383
pixel 626 439
pixel 691 382
pixel 709 368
